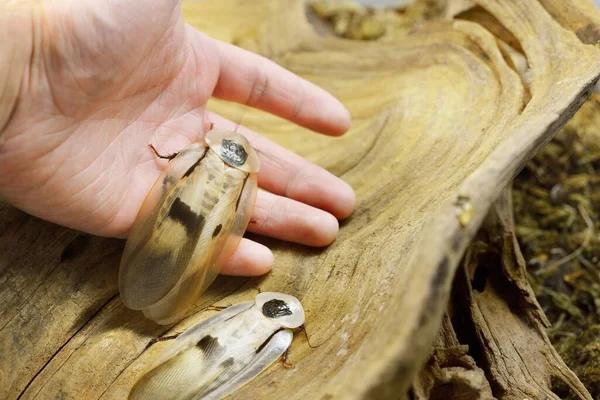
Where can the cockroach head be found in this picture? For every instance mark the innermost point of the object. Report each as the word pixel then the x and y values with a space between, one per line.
pixel 234 149
pixel 233 152
pixel 284 309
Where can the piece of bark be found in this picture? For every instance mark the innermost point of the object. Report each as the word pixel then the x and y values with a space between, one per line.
pixel 439 129
pixel 501 324
pixel 501 319
pixel 450 372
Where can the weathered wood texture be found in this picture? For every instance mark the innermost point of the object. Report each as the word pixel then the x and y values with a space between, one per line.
pixel 496 316
pixel 441 124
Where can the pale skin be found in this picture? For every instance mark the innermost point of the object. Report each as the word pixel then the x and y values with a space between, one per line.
pixel 84 88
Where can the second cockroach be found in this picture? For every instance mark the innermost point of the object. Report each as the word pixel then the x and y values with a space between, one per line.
pixel 219 355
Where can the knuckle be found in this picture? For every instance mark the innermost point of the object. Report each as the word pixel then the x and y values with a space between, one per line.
pixel 259 87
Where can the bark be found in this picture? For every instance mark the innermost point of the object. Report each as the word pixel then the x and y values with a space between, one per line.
pixel 442 122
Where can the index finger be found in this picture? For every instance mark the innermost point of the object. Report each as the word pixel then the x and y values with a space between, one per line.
pixel 251 79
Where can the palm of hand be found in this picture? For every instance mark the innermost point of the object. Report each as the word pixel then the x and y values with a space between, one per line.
pixel 105 81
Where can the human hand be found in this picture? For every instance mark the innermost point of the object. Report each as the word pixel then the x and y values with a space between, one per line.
pixel 105 79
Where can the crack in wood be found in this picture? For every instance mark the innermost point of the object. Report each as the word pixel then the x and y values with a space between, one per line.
pixel 72 337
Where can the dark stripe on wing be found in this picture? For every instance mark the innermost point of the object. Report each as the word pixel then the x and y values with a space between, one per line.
pixel 207 342
pixel 193 167
pixel 228 362
pixel 262 346
pixel 237 203
pixel 183 213
pixel 210 346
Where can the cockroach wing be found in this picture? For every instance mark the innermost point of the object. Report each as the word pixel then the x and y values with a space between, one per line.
pixel 194 333
pixel 167 376
pixel 244 210
pixel 270 353
pixel 134 295
pixel 223 227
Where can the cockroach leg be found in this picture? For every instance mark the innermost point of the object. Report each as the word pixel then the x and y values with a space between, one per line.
pixel 165 338
pixel 157 154
pixel 162 339
pixel 284 360
pixel 217 308
pixel 303 328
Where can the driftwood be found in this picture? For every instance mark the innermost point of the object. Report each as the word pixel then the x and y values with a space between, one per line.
pixel 443 119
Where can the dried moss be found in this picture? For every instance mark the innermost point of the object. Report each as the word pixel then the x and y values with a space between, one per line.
pixel 557 204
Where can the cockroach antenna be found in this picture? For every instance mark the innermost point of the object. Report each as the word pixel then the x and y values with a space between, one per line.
pixel 237 125
pixel 212 124
pixel 303 327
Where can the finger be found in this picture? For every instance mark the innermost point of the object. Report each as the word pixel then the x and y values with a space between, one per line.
pixel 250 79
pixel 292 221
pixel 287 174
pixel 249 259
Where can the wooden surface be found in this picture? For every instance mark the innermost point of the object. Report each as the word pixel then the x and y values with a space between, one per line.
pixel 441 124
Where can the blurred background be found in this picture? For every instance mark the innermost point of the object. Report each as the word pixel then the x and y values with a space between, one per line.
pixel 396 2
